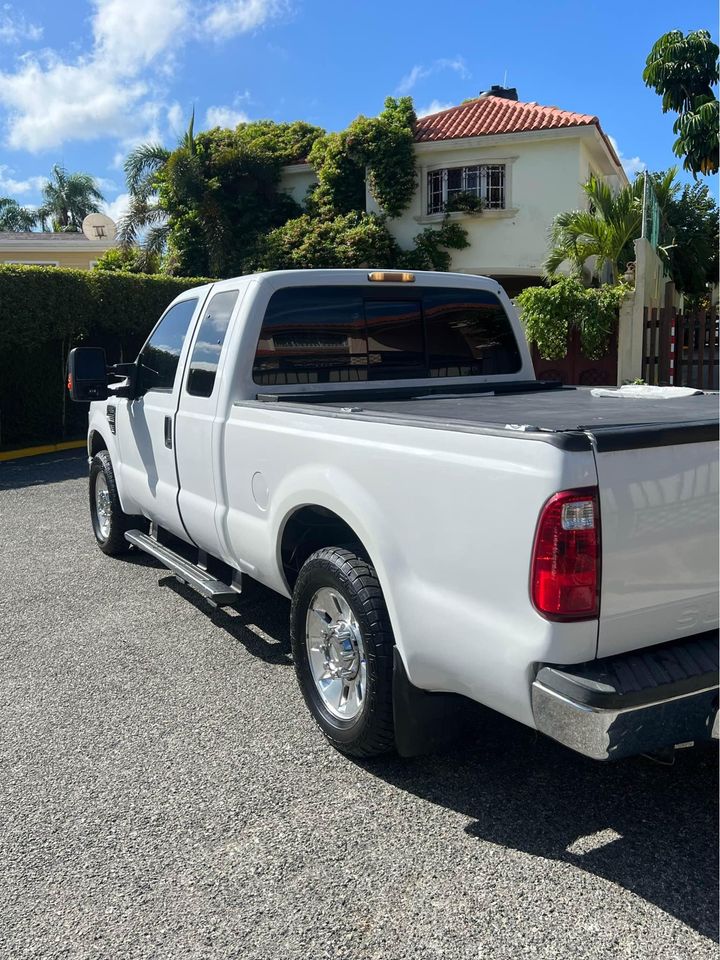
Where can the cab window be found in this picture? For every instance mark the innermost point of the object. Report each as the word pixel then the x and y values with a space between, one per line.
pixel 209 343
pixel 161 354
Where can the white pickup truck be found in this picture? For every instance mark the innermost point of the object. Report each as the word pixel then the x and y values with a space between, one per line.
pixel 375 446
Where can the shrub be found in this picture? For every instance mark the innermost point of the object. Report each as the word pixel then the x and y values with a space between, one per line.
pixel 549 314
pixel 44 312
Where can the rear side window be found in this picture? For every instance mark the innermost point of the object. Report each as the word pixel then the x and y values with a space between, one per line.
pixel 209 343
pixel 344 334
pixel 161 353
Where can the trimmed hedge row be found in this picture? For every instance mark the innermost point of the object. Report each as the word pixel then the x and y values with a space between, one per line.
pixel 44 312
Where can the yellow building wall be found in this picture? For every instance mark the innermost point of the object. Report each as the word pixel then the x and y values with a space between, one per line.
pixel 71 259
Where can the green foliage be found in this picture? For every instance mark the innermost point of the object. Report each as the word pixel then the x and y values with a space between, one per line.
pixel 430 247
pixel 356 239
pixel 683 69
pixel 605 231
pixel 341 177
pixel 349 240
pixel 45 312
pixel 129 259
pixel 67 199
pixel 464 201
pixel 690 217
pixel 549 314
pixel 214 204
pixel 382 146
pixel 15 218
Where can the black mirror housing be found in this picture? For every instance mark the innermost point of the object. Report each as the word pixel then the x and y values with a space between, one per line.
pixel 87 374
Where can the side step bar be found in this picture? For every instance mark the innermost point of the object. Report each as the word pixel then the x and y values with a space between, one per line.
pixel 218 593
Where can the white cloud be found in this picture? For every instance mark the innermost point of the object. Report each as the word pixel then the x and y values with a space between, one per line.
pixel 420 72
pixel 118 207
pixel 116 88
pixel 231 17
pixel 225 117
pixel 15 28
pixel 176 119
pixel 9 185
pixel 130 34
pixel 631 165
pixel 435 106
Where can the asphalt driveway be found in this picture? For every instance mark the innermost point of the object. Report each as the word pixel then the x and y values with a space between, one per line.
pixel 163 793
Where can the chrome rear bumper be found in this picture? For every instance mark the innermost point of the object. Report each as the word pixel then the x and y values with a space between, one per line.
pixel 631 704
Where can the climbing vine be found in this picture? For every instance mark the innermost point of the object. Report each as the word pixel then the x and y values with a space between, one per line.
pixel 549 313
pixel 222 209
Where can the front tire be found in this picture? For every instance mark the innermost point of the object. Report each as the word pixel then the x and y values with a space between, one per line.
pixel 108 520
pixel 342 646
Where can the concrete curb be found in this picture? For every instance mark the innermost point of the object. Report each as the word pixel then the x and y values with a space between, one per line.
pixel 45 448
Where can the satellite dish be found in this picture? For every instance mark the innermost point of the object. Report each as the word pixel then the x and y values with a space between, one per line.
pixel 99 227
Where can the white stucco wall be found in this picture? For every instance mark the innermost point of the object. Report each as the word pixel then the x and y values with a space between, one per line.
pixel 544 173
pixel 296 180
pixel 543 178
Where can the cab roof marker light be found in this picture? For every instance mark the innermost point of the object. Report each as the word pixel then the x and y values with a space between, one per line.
pixel 382 276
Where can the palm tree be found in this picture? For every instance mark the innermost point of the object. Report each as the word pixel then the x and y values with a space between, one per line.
pixel 146 214
pixel 15 218
pixel 68 199
pixel 606 230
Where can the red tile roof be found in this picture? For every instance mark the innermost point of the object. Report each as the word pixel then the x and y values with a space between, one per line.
pixel 493 115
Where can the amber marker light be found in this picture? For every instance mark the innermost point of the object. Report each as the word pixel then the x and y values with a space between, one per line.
pixel 381 276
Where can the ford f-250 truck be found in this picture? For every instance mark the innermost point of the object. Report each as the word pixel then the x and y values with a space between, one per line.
pixel 374 445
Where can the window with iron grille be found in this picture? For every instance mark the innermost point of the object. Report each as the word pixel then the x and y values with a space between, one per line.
pixel 483 180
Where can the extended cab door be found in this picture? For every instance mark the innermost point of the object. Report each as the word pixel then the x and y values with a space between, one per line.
pixel 200 424
pixel 145 426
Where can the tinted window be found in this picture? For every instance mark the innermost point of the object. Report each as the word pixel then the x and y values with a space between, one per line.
pixel 208 345
pixel 162 351
pixel 312 335
pixel 396 345
pixel 468 334
pixel 340 334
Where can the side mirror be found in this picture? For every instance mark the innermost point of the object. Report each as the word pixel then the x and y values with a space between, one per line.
pixel 87 374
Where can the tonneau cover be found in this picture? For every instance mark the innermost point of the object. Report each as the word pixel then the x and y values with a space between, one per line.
pixel 614 423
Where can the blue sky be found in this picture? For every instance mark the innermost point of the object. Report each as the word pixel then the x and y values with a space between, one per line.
pixel 82 81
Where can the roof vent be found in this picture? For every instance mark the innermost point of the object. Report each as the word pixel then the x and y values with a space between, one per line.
pixel 496 90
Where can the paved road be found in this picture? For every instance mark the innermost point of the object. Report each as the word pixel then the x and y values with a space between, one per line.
pixel 164 795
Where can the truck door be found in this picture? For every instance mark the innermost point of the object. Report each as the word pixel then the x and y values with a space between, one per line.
pixel 199 424
pixel 145 426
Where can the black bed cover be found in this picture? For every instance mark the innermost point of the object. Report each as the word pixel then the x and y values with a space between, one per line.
pixel 537 409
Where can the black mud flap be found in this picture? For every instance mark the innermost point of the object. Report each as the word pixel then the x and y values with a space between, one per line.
pixel 424 722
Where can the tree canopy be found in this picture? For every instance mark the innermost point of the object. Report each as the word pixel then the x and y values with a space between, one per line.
pixel 67 199
pixel 683 69
pixel 14 217
pixel 215 206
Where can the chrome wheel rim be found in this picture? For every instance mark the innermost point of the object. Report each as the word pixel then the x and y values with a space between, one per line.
pixel 336 654
pixel 102 506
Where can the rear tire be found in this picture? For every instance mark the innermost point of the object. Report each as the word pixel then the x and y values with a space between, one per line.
pixel 342 646
pixel 108 520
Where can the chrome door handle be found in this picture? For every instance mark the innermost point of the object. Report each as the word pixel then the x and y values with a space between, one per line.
pixel 168 432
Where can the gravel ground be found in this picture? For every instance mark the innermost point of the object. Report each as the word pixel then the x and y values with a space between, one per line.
pixel 163 793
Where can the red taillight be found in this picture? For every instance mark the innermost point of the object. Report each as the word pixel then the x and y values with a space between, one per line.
pixel 565 572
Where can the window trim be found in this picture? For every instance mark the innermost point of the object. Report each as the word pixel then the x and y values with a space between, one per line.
pixel 495 213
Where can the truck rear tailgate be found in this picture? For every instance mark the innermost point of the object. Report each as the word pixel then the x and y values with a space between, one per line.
pixel 659 515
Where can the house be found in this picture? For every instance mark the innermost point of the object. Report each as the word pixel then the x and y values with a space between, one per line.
pixel 524 163
pixel 78 251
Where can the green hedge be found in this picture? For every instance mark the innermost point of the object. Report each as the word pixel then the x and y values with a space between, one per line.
pixel 44 312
